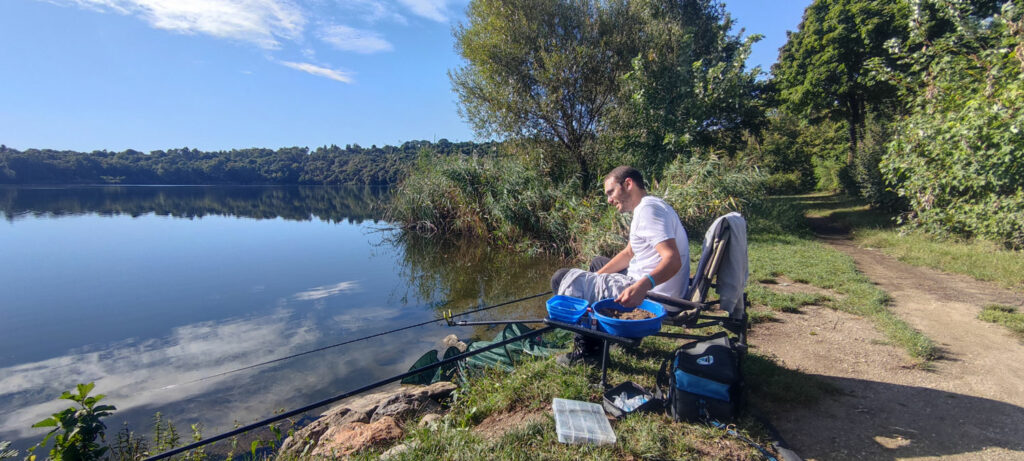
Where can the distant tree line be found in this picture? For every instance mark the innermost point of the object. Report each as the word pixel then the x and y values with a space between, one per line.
pixel 353 204
pixel 332 164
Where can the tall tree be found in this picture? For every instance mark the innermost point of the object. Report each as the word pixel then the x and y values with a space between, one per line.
pixel 539 69
pixel 823 67
pixel 567 75
pixel 688 87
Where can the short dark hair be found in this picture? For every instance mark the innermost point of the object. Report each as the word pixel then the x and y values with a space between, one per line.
pixel 620 173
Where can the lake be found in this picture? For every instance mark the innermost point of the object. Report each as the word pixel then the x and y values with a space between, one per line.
pixel 150 290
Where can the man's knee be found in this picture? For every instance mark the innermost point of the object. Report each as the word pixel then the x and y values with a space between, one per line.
pixel 556 280
pixel 598 262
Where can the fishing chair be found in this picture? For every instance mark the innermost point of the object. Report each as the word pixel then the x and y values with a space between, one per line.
pixel 723 266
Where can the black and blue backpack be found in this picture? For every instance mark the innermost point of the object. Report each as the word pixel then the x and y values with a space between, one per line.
pixel 704 382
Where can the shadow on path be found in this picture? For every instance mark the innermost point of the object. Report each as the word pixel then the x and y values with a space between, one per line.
pixel 879 421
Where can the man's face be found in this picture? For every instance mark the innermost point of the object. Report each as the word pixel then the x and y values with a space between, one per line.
pixel 617 194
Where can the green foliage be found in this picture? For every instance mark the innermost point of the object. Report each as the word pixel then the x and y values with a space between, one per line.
pixel 77 428
pixel 799 154
pixel 593 84
pixel 541 69
pixel 288 165
pixel 129 446
pixel 705 187
pixel 500 201
pixel 872 187
pixel 958 157
pixel 687 87
pixel 824 67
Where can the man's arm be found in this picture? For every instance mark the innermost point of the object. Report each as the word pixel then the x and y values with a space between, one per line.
pixel 670 264
pixel 619 263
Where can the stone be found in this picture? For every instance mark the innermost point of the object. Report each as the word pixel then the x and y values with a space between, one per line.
pixel 430 420
pixel 349 438
pixel 453 341
pixel 365 413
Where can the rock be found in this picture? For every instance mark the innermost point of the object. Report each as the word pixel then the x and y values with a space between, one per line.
pixel 365 413
pixel 430 420
pixel 352 437
pixel 453 341
pixel 395 451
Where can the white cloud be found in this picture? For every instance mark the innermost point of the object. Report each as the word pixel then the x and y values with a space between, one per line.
pixel 371 11
pixel 262 22
pixel 314 69
pixel 326 290
pixel 430 9
pixel 359 41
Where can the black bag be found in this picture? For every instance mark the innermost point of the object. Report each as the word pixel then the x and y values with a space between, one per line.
pixel 705 382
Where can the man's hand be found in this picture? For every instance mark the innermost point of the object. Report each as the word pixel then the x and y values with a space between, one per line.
pixel 634 294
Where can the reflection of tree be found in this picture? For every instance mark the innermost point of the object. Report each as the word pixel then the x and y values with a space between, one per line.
pixel 299 203
pixel 475 275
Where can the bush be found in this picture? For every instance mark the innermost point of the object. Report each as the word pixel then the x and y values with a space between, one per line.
pixel 76 428
pixel 870 184
pixel 959 156
pixel 499 200
pixel 784 183
pixel 705 187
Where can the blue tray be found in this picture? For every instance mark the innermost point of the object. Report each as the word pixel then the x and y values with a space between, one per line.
pixel 629 328
pixel 566 308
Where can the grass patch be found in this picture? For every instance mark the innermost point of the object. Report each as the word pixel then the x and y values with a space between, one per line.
pixel 1006 316
pixel 807 261
pixel 532 386
pixel 979 259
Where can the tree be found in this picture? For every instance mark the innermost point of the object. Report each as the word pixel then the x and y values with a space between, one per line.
pixel 823 67
pixel 688 86
pixel 568 76
pixel 542 70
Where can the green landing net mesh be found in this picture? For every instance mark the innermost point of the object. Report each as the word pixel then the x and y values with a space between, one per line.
pixel 503 358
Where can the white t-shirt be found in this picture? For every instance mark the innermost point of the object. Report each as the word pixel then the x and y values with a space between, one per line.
pixel 654 221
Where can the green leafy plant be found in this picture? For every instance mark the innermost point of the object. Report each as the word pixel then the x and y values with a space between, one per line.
pixel 128 446
pixel 76 428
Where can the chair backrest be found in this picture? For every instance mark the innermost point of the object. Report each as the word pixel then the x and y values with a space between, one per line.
pixel 723 259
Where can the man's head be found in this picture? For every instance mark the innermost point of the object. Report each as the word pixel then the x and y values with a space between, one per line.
pixel 624 187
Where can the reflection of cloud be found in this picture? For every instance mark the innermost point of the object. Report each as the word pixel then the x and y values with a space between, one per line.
pixel 257 21
pixel 354 319
pixel 136 375
pixel 327 291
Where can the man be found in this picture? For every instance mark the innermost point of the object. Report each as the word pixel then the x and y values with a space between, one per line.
pixel 655 259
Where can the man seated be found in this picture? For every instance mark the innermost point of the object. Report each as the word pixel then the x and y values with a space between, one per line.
pixel 655 259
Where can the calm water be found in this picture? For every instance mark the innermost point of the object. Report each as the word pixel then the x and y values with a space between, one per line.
pixel 143 289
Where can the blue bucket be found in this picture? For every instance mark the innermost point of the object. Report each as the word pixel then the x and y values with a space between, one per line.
pixel 566 308
pixel 629 328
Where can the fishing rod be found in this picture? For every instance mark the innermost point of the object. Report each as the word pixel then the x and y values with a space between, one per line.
pixel 360 390
pixel 447 318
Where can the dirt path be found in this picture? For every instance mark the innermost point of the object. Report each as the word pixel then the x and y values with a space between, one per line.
pixel 970 405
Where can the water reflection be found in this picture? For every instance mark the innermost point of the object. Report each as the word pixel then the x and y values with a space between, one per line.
pixel 299 203
pixel 144 305
pixel 144 373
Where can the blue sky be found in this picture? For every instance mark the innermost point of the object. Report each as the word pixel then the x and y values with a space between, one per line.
pixel 223 74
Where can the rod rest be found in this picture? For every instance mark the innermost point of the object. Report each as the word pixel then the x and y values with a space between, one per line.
pixel 673 305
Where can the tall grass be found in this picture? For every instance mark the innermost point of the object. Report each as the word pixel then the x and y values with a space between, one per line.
pixel 498 200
